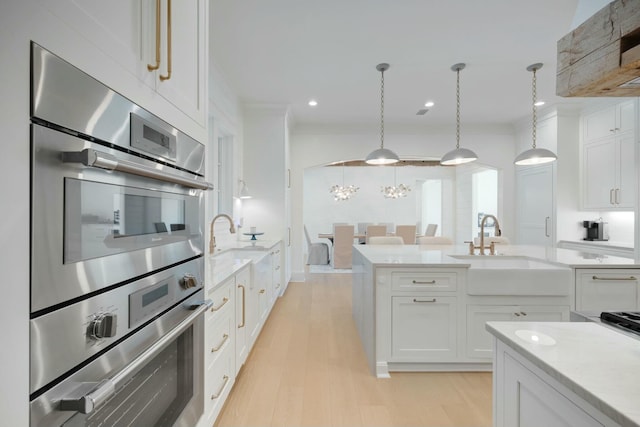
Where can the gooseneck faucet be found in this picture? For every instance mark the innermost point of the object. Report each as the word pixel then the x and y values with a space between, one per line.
pixel 497 233
pixel 212 238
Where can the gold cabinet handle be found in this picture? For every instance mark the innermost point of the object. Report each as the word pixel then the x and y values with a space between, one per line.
pixel 242 287
pixel 224 301
pixel 225 337
pixel 262 291
pixel 168 75
pixel 149 66
pixel 523 313
pixel 417 282
pixel 517 314
pixel 614 278
pixel 424 300
pixel 278 286
pixel 225 380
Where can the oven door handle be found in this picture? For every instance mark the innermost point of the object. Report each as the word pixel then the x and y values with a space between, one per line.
pixel 97 159
pixel 102 391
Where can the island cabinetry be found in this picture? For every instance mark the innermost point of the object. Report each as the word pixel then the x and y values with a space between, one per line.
pixel 423 328
pixel 479 342
pixel 417 317
pixel 525 396
pixel 607 289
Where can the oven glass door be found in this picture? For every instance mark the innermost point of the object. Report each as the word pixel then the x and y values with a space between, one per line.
pixel 157 395
pixel 103 219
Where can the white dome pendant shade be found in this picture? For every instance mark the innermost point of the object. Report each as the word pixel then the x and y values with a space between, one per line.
pixel 535 156
pixel 459 155
pixel 382 156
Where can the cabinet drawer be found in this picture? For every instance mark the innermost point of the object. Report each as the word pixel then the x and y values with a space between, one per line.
pixel 221 297
pixel 219 379
pixel 445 281
pixel 600 290
pixel 219 336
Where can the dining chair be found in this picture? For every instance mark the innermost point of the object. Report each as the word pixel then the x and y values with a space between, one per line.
pixel 434 240
pixel 390 226
pixel 342 246
pixel 362 229
pixel 386 240
pixel 376 230
pixel 431 230
pixel 407 232
pixel 318 252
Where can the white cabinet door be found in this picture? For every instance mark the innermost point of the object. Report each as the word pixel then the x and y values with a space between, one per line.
pixel 423 328
pixel 479 342
pixel 185 88
pixel 530 402
pixel 600 172
pixel 600 124
pixel 625 117
pixel 607 290
pixel 242 335
pixel 625 190
pixel 535 198
pixel 126 32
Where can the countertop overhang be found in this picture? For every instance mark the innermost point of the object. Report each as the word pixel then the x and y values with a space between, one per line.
pixel 443 256
pixel 596 363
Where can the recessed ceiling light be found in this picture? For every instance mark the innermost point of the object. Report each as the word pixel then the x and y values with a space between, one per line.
pixel 539 103
pixel 313 103
pixel 429 104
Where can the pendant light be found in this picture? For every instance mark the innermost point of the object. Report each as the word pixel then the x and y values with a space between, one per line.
pixel 459 155
pixel 396 190
pixel 244 190
pixel 382 156
pixel 535 156
pixel 343 192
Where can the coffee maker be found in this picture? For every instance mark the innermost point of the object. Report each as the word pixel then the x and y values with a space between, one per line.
pixel 596 230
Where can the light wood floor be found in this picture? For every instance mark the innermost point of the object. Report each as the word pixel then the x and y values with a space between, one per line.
pixel 308 368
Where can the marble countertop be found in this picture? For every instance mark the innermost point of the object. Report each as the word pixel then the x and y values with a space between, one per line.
pixel 441 256
pixel 598 364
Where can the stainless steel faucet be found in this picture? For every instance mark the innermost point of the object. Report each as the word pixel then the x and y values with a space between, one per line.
pixel 212 238
pixel 498 233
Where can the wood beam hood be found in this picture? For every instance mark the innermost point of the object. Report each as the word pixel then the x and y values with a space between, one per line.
pixel 601 57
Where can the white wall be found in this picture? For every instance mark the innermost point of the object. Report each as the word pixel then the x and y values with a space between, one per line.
pixel 315 146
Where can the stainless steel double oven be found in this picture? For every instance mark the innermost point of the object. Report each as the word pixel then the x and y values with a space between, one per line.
pixel 117 266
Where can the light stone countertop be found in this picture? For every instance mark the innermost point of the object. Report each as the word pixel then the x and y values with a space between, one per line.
pixel 600 365
pixel 232 257
pixel 440 256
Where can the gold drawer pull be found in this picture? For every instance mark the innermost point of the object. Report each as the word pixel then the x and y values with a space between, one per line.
pixel 243 305
pixel 417 282
pixel 277 268
pixel 278 285
pixel 423 300
pixel 225 337
pixel 614 278
pixel 224 384
pixel 262 291
pixel 224 301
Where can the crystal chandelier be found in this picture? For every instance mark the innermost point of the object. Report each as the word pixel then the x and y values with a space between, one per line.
pixel 395 191
pixel 343 192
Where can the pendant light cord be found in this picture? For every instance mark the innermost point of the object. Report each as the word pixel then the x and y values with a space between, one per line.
pixel 458 109
pixel 382 109
pixel 535 108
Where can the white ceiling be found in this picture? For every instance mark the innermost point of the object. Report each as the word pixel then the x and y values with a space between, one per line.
pixel 289 51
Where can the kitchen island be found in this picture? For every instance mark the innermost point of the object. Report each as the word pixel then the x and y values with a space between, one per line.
pixel 579 374
pixel 424 308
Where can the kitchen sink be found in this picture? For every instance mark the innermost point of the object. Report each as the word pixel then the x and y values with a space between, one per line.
pixel 515 275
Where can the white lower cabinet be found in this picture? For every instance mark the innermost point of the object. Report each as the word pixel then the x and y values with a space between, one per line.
pixel 479 342
pixel 524 399
pixel 607 289
pixel 242 282
pixel 424 328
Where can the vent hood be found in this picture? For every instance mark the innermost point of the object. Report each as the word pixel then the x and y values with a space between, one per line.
pixel 601 57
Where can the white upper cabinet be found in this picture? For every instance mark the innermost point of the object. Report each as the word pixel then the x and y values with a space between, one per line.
pixel 130 34
pixel 609 121
pixel 608 158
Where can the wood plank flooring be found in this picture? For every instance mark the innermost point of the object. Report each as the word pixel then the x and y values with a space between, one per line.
pixel 308 368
